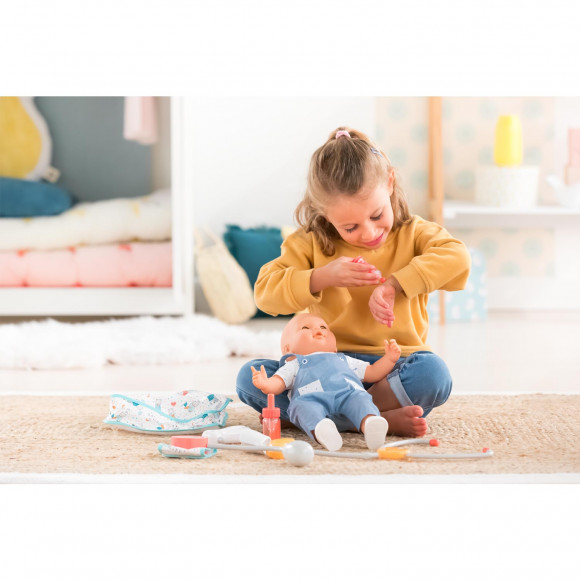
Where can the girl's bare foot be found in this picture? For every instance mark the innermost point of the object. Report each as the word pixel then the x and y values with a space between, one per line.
pixel 406 421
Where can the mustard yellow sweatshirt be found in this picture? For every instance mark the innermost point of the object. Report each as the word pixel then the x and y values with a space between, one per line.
pixel 421 255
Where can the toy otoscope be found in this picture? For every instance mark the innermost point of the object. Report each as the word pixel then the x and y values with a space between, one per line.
pixel 361 260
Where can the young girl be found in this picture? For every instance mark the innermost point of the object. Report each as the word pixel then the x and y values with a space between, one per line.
pixel 353 206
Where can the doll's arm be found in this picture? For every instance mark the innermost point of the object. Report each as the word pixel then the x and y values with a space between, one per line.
pixel 381 368
pixel 275 384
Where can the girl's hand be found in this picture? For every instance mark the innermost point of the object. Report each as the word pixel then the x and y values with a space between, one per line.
pixel 343 272
pixel 382 304
pixel 392 350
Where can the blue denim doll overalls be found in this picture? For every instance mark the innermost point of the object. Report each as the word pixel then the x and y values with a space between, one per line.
pixel 325 386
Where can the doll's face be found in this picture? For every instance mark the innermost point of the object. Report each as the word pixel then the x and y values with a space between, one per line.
pixel 307 333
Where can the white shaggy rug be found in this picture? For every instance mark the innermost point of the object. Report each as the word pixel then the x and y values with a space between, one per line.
pixel 136 341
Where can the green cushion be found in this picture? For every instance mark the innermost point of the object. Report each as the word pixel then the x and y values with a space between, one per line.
pixel 252 248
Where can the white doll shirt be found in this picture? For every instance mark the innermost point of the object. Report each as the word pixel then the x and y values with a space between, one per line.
pixel 289 370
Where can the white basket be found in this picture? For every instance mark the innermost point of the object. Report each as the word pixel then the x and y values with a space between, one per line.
pixel 515 187
pixel 224 282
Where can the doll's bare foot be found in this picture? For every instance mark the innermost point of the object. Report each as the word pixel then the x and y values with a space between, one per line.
pixel 406 421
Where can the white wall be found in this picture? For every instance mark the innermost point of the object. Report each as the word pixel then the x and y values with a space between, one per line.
pixel 251 154
pixel 268 142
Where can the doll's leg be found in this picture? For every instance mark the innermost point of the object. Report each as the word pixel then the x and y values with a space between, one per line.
pixel 307 412
pixel 251 395
pixel 359 408
pixel 417 384
pixel 355 405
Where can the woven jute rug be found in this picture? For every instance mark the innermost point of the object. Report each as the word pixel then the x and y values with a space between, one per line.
pixel 528 434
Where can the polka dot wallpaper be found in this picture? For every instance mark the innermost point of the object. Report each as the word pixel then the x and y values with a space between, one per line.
pixel 468 304
pixel 512 252
pixel 469 133
pixel 468 139
pixel 403 134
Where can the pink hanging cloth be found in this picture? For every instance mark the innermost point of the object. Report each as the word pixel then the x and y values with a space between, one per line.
pixel 140 120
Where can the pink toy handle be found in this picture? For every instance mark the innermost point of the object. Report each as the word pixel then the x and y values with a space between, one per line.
pixel 361 260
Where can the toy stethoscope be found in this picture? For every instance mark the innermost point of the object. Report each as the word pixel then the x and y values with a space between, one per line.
pixel 301 453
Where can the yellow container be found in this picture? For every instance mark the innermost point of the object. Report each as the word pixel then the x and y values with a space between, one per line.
pixel 507 151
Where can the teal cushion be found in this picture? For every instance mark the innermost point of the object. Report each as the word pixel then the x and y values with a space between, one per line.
pixel 20 198
pixel 252 248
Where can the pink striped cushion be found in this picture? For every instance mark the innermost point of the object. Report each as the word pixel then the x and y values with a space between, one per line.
pixel 114 265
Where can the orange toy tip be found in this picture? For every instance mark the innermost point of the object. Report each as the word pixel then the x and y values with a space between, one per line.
pixel 434 442
pixel 188 441
pixel 485 449
pixel 278 443
pixel 392 453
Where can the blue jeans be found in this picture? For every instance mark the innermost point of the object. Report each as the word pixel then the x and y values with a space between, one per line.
pixel 421 379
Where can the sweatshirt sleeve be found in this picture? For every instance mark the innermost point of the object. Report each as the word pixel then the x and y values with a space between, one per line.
pixel 440 262
pixel 283 285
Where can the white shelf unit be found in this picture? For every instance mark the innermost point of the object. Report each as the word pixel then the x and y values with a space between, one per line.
pixel 466 215
pixel 557 292
pixel 177 300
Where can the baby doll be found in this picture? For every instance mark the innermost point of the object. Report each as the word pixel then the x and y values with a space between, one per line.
pixel 323 384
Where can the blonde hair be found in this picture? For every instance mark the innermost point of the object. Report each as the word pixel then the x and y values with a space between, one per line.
pixel 341 167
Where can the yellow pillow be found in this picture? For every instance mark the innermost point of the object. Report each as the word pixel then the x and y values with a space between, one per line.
pixel 25 144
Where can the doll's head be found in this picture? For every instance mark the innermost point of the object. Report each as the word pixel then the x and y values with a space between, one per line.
pixel 307 333
pixel 347 172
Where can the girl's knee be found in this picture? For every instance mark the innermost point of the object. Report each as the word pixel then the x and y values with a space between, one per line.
pixel 441 382
pixel 244 386
pixel 245 373
pixel 427 380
